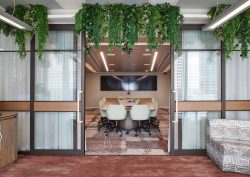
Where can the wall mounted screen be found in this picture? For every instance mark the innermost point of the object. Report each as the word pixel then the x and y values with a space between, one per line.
pixel 124 83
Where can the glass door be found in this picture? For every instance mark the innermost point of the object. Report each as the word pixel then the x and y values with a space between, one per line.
pixel 58 95
pixel 196 91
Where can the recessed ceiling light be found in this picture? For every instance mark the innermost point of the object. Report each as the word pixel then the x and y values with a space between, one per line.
pixel 110 54
pixel 146 64
pixel 146 70
pixel 147 54
pixel 133 64
pixel 60 16
pixel 104 61
pixel 195 15
pixel 111 64
pixel 154 59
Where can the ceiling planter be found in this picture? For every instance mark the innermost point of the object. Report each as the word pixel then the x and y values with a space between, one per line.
pixel 234 33
pixel 123 24
pixel 32 18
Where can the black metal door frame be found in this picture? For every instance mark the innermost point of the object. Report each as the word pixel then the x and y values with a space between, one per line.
pixel 74 151
pixel 179 151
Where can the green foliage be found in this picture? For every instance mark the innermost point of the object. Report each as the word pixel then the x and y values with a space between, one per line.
pixel 123 24
pixel 114 24
pixel 235 33
pixel 38 18
pixel 34 15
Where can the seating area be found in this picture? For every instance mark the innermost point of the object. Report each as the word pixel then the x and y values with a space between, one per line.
pixel 228 144
pixel 141 114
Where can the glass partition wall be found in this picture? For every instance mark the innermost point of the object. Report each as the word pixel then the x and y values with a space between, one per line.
pixel 45 92
pixel 196 90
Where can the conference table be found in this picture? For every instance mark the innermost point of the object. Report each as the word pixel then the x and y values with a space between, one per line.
pixel 128 123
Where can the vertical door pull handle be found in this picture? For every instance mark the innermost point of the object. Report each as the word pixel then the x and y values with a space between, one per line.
pixel 78 107
pixel 176 106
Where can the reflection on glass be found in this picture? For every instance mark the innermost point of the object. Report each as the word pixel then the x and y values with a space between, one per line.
pixel 194 39
pixel 54 130
pixel 56 77
pixel 194 128
pixel 237 78
pixel 14 77
pixel 197 75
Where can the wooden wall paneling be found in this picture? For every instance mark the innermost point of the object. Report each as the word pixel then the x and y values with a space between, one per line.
pixel 55 106
pixel 199 106
pixel 14 105
pixel 238 105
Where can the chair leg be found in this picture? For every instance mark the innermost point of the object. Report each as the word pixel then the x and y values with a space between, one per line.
pixel 116 127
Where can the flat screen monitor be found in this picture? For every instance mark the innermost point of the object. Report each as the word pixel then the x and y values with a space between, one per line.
pixel 125 83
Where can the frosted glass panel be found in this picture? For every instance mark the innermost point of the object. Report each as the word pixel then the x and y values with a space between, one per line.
pixel 194 128
pixel 197 75
pixel 23 131
pixel 199 40
pixel 56 77
pixel 60 40
pixel 14 77
pixel 238 115
pixel 8 43
pixel 238 78
pixel 54 130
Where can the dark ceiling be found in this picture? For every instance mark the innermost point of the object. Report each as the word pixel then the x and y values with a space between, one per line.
pixel 140 60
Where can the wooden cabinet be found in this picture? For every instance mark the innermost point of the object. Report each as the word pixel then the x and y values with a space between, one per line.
pixel 8 138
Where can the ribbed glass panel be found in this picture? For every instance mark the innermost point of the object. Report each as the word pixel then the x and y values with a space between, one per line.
pixel 56 77
pixel 197 75
pixel 237 77
pixel 14 77
pixel 194 128
pixel 54 130
pixel 23 131
pixel 60 40
pixel 194 39
pixel 238 115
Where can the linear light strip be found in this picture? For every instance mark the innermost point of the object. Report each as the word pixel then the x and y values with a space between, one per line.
pixel 104 61
pixel 53 16
pixel 13 21
pixel 154 60
pixel 228 14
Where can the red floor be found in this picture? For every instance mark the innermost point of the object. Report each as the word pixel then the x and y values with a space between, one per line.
pixel 117 166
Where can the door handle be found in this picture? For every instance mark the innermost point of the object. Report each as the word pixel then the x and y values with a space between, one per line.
pixel 176 106
pixel 78 107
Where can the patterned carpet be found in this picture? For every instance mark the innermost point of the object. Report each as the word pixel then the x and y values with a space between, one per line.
pixel 99 144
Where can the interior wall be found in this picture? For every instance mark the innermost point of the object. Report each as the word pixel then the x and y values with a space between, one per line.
pixel 93 93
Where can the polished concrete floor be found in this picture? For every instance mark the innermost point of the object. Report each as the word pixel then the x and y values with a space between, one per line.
pixel 98 143
pixel 114 166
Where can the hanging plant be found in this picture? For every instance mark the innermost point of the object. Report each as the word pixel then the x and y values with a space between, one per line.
pixel 34 15
pixel 115 24
pixel 123 24
pixel 234 33
pixel 38 17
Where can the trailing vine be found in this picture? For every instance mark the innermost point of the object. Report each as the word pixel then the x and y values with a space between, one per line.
pixel 123 24
pixel 34 15
pixel 234 33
